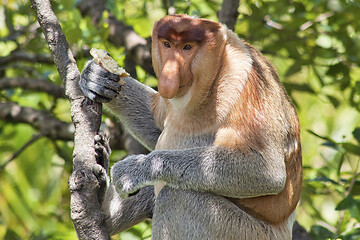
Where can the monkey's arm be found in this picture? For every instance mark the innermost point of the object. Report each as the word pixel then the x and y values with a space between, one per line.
pixel 133 108
pixel 120 214
pixel 212 169
pixel 132 103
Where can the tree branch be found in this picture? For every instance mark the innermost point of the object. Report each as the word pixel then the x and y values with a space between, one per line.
pixel 229 13
pixel 33 85
pixel 17 55
pixel 49 126
pixel 86 115
pixel 46 124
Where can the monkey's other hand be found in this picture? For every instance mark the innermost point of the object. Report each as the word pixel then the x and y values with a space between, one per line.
pixel 98 84
pixel 130 175
pixel 103 151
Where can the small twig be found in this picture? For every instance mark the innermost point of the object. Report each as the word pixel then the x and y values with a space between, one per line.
pixel 272 23
pixel 18 152
pixel 321 17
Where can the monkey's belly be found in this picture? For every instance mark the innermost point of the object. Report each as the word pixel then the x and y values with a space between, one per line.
pixel 194 215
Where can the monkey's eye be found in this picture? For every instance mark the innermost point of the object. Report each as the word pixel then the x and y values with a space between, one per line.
pixel 187 47
pixel 166 44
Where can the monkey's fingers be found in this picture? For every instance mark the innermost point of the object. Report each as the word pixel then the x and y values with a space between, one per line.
pixel 101 93
pixel 102 149
pixel 95 68
pixel 102 177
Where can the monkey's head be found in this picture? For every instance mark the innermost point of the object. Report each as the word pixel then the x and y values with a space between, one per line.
pixel 184 51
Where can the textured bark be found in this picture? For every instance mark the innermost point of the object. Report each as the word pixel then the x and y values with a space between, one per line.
pixel 229 13
pixel 86 213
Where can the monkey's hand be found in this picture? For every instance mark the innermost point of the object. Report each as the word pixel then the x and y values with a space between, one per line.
pixel 101 169
pixel 131 174
pixel 98 84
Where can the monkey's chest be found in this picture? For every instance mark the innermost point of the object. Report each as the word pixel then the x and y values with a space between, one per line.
pixel 171 139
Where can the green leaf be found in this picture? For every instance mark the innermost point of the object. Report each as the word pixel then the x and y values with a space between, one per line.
pixel 341 161
pixel 353 234
pixel 351 148
pixel 357 87
pixel 337 68
pixel 356 188
pixel 298 87
pixel 296 67
pixel 323 179
pixel 322 137
pixel 332 145
pixel 11 235
pixel 355 210
pixel 352 205
pixel 324 41
pixel 334 101
pixel 320 232
pixel 346 203
pixel 356 134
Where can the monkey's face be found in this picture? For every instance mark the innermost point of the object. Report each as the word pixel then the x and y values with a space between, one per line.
pixel 176 42
pixel 175 77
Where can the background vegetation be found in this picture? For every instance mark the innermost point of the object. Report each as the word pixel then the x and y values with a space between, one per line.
pixel 315 45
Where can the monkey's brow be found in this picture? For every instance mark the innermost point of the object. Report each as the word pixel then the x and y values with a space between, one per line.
pixel 192 35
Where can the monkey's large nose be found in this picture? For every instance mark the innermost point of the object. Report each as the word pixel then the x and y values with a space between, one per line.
pixel 169 80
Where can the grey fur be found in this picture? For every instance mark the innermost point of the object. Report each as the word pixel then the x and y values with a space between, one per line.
pixel 198 176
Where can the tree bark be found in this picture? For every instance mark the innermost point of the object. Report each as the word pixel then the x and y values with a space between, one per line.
pixel 229 13
pixel 86 211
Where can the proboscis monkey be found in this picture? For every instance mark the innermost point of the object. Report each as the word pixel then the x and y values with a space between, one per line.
pixel 226 160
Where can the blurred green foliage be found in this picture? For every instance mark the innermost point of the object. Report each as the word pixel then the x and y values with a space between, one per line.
pixel 315 45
